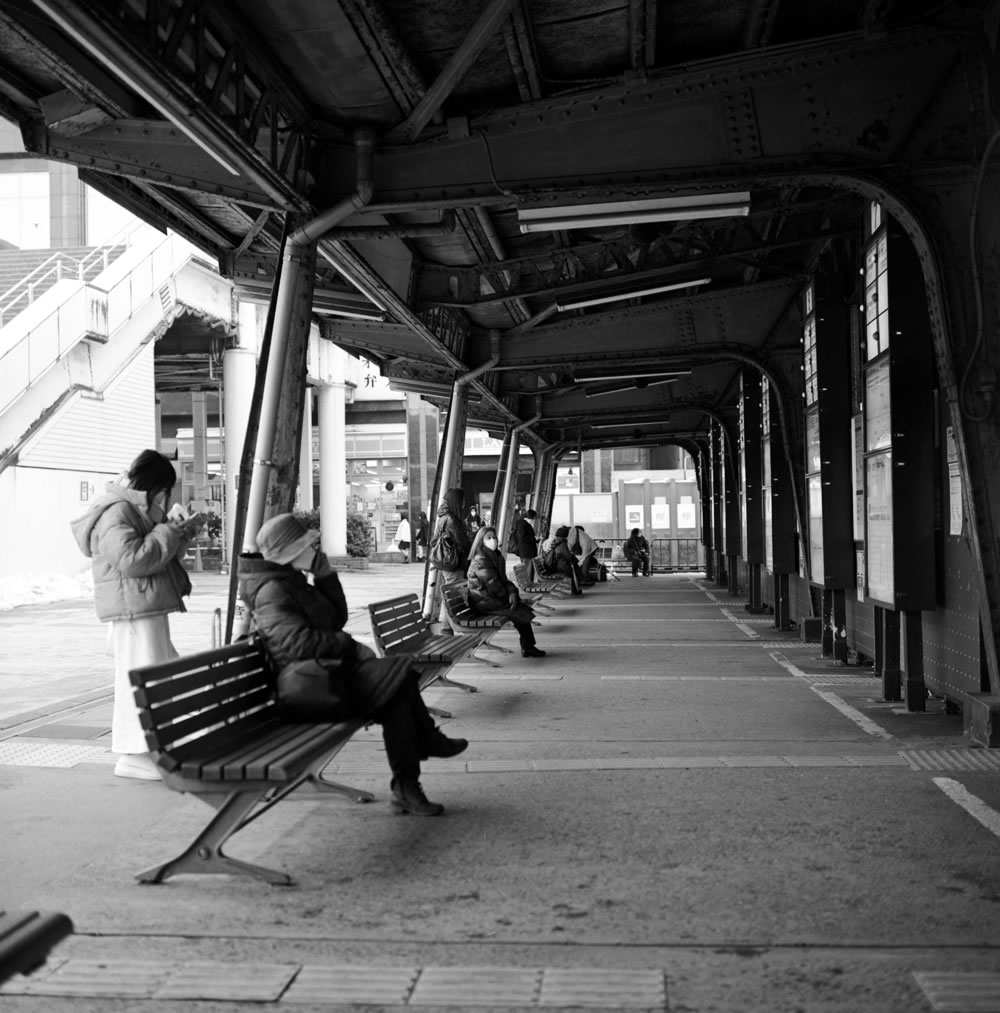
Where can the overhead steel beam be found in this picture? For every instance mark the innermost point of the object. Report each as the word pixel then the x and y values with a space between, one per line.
pixel 816 110
pixel 758 25
pixel 239 126
pixel 485 27
pixel 521 53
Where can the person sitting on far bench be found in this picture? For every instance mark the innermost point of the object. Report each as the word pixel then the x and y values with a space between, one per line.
pixel 637 552
pixel 491 592
pixel 559 560
pixel 302 628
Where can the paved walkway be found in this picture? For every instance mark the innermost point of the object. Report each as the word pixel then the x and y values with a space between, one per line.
pixel 677 809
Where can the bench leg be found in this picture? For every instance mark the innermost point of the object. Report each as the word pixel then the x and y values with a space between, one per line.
pixel 475 657
pixel 205 853
pixel 320 783
pixel 438 712
pixel 445 681
pixel 495 647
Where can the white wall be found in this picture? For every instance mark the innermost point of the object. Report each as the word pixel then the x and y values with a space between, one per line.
pixel 40 504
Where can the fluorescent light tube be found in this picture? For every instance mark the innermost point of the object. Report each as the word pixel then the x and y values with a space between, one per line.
pixel 657 209
pixel 583 303
pixel 358 314
pixel 633 376
pixel 628 386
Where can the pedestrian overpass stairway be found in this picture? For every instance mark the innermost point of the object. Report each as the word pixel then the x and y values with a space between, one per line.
pixel 77 320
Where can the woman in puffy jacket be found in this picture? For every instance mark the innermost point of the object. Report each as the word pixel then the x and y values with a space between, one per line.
pixel 491 592
pixel 138 582
pixel 637 552
pixel 302 626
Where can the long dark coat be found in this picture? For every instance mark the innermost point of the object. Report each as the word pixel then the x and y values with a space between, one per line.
pixel 299 623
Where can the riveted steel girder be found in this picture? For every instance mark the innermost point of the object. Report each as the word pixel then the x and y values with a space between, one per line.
pixel 838 105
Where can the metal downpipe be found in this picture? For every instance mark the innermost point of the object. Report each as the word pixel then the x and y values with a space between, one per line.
pixel 295 254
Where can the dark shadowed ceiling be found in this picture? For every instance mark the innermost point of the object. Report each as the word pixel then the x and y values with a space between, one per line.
pixel 219 119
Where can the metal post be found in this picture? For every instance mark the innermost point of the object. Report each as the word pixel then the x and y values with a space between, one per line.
pixel 891 674
pixel 913 637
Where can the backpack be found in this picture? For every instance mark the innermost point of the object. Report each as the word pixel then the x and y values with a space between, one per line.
pixel 549 560
pixel 445 554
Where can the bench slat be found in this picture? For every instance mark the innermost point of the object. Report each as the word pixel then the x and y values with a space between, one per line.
pixel 282 763
pixel 203 658
pixel 232 762
pixel 260 702
pixel 194 677
pixel 209 700
pixel 191 756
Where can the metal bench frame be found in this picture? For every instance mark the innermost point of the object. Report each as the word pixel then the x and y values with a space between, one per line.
pixel 26 937
pixel 462 616
pixel 212 726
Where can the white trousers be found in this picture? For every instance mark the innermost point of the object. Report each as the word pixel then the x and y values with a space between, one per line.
pixel 134 642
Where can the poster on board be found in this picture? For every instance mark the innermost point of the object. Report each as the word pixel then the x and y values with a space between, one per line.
pixel 635 516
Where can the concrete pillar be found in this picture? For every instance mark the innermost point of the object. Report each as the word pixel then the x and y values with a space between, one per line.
pixel 333 470
pixel 239 371
pixel 305 493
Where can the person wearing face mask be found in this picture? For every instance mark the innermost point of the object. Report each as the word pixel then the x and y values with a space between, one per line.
pixel 138 581
pixel 301 623
pixel 490 591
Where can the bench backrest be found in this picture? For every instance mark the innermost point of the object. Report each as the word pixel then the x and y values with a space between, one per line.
pixel 397 622
pixel 456 597
pixel 206 699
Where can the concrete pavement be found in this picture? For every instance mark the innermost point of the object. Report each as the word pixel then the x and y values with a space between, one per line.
pixel 678 808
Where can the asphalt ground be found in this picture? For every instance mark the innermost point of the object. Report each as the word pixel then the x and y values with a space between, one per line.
pixel 679 808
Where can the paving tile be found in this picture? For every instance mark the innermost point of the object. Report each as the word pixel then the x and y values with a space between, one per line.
pixel 112 979
pixel 476 986
pixel 602 988
pixel 958 992
pixel 227 982
pixel 372 985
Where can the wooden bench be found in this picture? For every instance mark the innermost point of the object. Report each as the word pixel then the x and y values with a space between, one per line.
pixel 613 563
pixel 212 725
pixel 399 627
pixel 462 616
pixel 27 937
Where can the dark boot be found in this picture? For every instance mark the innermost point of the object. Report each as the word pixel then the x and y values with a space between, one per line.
pixel 444 748
pixel 409 797
pixel 528 649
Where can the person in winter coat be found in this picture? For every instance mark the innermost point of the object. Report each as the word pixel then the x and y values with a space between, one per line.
pixel 138 581
pixel 585 549
pixel 449 522
pixel 420 539
pixel 403 537
pixel 302 627
pixel 473 522
pixel 559 560
pixel 491 592
pixel 525 542
pixel 637 552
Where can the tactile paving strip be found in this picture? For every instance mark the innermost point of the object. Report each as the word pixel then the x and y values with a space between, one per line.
pixel 951 759
pixel 49 754
pixel 958 992
pixel 610 989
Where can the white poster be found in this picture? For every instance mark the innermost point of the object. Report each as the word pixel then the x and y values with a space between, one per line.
pixel 687 515
pixel 661 515
pixel 635 516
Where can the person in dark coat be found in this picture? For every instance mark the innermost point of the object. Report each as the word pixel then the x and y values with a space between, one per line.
pixel 302 625
pixel 449 521
pixel 473 522
pixel 637 552
pixel 526 542
pixel 560 560
pixel 420 536
pixel 491 592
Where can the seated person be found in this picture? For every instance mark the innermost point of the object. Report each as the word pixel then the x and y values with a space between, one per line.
pixel 579 540
pixel 302 627
pixel 491 592
pixel 637 552
pixel 559 560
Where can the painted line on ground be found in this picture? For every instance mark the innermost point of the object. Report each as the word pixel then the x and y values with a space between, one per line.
pixel 852 714
pixel 972 804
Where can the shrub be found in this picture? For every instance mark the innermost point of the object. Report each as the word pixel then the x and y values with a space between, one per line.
pixel 358 531
pixel 358 536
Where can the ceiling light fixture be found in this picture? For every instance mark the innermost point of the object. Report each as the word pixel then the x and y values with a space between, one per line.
pixel 350 314
pixel 656 209
pixel 629 425
pixel 583 303
pixel 634 376
pixel 631 386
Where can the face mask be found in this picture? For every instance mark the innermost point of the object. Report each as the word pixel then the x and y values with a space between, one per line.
pixel 490 543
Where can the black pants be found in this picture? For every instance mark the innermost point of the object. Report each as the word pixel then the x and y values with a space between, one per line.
pixel 407 729
pixel 642 561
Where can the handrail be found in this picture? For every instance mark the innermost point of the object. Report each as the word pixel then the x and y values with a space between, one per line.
pixel 25 288
pixel 86 311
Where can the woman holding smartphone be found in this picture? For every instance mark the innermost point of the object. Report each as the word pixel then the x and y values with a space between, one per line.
pixel 138 582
